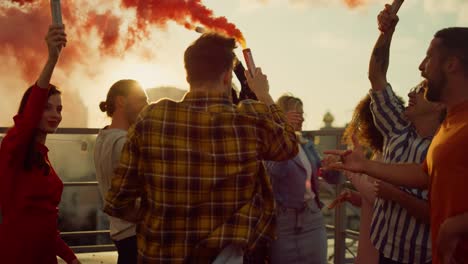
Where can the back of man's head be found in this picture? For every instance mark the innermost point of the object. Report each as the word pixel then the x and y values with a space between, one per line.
pixel 208 57
pixel 455 43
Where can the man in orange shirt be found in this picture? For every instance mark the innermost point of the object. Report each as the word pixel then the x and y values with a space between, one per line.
pixel 445 170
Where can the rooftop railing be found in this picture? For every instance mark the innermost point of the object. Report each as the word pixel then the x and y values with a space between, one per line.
pixel 74 164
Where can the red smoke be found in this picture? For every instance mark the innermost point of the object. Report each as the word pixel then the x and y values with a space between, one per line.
pixel 23 25
pixel 184 12
pixel 22 2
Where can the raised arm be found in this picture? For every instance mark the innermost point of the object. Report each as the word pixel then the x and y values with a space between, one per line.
pixel 279 141
pixel 56 39
pixel 28 119
pixel 380 56
pixel 15 144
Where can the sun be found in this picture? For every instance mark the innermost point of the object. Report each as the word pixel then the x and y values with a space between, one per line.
pixel 148 74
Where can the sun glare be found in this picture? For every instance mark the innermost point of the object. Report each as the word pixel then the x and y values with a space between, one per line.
pixel 149 75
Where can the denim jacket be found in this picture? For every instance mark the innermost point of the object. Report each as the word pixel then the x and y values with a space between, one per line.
pixel 288 178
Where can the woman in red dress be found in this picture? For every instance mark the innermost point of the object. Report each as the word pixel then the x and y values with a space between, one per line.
pixel 30 190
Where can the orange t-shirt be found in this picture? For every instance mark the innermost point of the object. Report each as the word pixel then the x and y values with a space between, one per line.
pixel 447 166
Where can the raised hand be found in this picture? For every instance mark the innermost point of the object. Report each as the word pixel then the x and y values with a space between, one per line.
pixel 258 82
pixel 387 20
pixel 56 39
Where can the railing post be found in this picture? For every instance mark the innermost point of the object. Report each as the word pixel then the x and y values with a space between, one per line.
pixel 340 217
pixel 340 226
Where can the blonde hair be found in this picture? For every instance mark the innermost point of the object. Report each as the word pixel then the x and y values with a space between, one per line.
pixel 288 102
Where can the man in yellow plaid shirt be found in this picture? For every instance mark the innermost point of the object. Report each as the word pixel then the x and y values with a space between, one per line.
pixel 197 165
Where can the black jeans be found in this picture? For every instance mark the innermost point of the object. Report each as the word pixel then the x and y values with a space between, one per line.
pixel 384 260
pixel 127 249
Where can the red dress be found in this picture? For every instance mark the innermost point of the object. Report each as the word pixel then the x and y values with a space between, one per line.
pixel 29 199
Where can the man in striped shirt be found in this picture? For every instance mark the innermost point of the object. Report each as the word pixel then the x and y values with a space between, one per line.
pixel 400 224
pixel 197 165
pixel 445 169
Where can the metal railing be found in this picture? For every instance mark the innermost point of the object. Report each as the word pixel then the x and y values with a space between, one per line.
pixel 340 233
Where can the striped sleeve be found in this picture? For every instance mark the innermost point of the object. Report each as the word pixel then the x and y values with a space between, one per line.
pixel 387 111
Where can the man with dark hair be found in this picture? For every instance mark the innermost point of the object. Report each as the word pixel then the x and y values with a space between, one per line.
pixel 197 165
pixel 400 226
pixel 445 169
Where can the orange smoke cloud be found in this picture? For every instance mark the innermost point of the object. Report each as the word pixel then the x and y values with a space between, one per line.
pixel 355 3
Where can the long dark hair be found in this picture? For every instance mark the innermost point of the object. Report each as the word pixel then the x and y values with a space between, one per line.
pixel 33 157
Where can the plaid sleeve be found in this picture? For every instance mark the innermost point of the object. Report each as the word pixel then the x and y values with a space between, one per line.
pixel 126 184
pixel 277 138
pixel 388 112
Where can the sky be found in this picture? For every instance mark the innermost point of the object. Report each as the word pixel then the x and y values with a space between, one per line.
pixel 317 50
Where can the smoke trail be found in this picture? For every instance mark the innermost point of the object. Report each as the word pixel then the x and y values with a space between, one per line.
pixel 184 12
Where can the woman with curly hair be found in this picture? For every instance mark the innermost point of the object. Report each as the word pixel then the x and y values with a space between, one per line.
pixel 362 129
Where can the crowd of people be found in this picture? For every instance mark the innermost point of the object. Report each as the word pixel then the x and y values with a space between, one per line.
pixel 203 180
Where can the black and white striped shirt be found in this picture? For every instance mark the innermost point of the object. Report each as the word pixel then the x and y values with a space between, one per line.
pixel 394 232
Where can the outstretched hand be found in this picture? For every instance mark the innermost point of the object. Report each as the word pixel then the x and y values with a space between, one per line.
pixel 347 160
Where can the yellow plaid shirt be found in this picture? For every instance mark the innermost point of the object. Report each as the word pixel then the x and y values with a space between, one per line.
pixel 197 166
